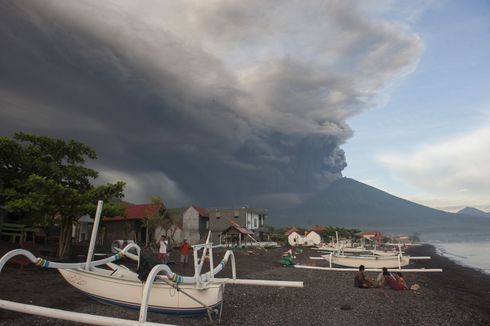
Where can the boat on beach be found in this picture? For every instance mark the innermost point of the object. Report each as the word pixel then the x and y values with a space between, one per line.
pixel 370 261
pixel 162 291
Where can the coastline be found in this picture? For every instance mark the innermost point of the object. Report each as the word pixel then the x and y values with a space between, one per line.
pixel 469 254
pixel 458 296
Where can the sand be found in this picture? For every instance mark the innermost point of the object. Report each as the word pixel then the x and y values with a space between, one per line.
pixel 458 296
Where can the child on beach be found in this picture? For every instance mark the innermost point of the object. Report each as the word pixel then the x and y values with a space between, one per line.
pixel 184 252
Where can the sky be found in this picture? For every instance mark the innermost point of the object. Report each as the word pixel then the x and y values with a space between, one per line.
pixel 229 103
pixel 429 139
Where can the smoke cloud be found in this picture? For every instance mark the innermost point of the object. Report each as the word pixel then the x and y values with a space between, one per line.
pixel 228 102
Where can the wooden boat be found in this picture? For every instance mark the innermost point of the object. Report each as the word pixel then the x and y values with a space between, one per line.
pixel 369 261
pixel 387 259
pixel 126 290
pixel 167 293
pixel 344 249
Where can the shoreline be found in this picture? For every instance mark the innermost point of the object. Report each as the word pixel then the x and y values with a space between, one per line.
pixel 457 296
pixel 440 249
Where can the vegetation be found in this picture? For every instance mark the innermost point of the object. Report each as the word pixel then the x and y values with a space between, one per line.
pixel 44 180
pixel 329 233
pixel 161 218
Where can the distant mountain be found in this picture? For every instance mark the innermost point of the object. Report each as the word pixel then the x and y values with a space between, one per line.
pixel 349 203
pixel 473 212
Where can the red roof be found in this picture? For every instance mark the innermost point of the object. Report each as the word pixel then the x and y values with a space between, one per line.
pixel 291 230
pixel 370 232
pixel 135 212
pixel 318 228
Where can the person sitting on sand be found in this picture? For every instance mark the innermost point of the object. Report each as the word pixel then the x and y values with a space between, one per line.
pixel 401 280
pixel 361 281
pixel 380 280
pixel 396 282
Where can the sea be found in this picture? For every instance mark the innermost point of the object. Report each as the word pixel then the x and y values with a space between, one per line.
pixel 472 254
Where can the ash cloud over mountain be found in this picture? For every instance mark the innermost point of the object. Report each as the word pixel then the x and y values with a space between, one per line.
pixel 211 102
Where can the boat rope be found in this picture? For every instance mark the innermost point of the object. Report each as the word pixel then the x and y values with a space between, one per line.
pixel 41 262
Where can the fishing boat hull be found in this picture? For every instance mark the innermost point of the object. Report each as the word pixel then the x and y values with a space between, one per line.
pixel 126 290
pixel 348 249
pixel 369 261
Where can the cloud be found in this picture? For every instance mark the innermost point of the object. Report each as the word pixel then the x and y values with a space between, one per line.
pixel 456 168
pixel 141 186
pixel 230 100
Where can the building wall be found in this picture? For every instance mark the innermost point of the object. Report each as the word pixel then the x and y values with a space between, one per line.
pixel 122 230
pixel 312 239
pixel 193 226
pixel 219 219
pixel 295 236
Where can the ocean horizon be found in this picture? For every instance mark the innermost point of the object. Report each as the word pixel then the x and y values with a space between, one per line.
pixel 470 254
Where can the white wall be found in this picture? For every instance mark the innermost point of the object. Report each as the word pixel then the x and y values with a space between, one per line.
pixel 312 239
pixel 292 237
pixel 190 225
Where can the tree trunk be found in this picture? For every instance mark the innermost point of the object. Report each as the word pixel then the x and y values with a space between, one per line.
pixel 65 237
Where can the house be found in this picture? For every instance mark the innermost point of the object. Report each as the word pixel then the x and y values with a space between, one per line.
pixel 312 239
pixel 252 219
pixel 82 229
pixel 189 223
pixel 236 235
pixel 373 235
pixel 293 229
pixel 129 227
pixel 195 224
pixel 295 239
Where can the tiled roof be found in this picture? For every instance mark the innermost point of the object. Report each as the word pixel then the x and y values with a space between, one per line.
pixel 135 212
pixel 318 228
pixel 291 230
pixel 239 228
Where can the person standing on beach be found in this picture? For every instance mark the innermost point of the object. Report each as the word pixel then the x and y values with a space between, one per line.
pixel 361 281
pixel 184 252
pixel 162 251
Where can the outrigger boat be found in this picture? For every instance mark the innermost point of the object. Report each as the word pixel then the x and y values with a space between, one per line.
pixel 374 262
pixel 168 293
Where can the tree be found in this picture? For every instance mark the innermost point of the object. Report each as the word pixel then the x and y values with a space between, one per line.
pixel 44 178
pixel 162 218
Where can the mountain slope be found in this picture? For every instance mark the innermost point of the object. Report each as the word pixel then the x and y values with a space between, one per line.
pixel 473 212
pixel 350 203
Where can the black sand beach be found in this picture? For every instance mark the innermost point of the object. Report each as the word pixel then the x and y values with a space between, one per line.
pixel 458 296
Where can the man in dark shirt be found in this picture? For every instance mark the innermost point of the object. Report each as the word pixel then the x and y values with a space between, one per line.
pixel 361 281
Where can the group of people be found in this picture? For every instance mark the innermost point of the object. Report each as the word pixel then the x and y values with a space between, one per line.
pixel 163 251
pixel 395 281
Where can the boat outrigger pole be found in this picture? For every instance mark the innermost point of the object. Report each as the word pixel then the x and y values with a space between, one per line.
pixel 94 234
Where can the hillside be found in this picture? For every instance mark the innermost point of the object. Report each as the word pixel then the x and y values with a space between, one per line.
pixel 350 203
pixel 473 212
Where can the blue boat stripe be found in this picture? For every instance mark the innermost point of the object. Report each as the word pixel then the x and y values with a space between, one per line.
pixel 158 309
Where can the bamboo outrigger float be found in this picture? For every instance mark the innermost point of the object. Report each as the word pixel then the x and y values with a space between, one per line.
pixel 168 293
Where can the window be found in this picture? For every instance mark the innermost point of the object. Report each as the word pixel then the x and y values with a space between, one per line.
pixel 218 217
pixel 255 222
pixel 236 216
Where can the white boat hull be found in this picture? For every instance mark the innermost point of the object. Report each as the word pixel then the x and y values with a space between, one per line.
pixel 348 249
pixel 384 253
pixel 369 261
pixel 127 290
